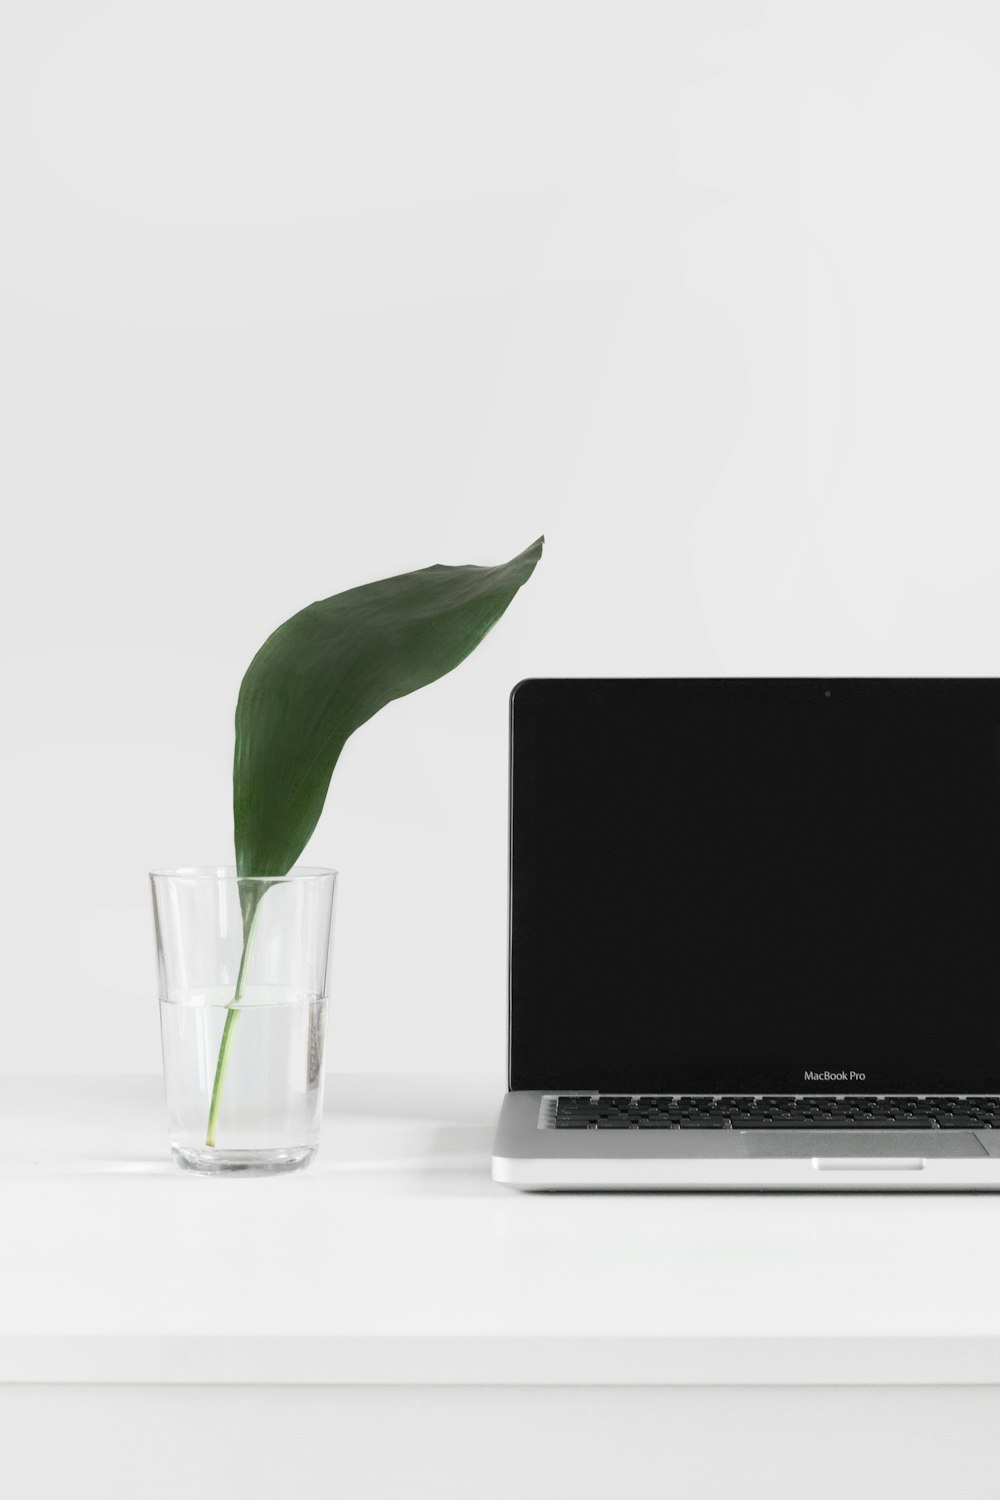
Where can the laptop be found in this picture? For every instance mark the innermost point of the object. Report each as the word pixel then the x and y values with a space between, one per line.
pixel 754 935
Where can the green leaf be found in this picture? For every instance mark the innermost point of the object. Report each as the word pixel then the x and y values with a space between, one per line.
pixel 327 670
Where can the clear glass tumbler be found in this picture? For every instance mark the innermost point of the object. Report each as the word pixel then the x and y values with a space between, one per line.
pixel 243 970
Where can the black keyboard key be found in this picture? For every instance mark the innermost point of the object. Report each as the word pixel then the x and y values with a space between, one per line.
pixel 886 1122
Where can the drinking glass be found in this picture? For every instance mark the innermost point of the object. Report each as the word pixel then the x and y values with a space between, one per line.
pixel 243 967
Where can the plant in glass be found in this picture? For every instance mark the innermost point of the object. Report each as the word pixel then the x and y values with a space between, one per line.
pixel 314 681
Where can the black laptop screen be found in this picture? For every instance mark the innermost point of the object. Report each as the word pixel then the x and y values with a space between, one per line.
pixel 735 886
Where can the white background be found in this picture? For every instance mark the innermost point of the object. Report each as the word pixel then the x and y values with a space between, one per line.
pixel 293 296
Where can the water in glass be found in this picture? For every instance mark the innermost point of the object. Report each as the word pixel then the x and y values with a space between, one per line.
pixel 272 1103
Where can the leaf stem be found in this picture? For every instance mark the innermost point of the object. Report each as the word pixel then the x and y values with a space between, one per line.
pixel 232 1015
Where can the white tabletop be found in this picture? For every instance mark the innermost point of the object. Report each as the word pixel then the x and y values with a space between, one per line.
pixel 394 1258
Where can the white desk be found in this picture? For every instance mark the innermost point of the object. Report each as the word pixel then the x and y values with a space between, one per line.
pixel 391 1323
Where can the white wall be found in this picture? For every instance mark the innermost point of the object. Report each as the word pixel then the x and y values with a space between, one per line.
pixel 297 295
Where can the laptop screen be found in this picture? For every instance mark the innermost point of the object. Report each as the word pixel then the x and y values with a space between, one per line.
pixel 755 886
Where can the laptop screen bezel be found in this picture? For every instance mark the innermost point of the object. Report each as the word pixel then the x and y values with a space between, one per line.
pixel 909 693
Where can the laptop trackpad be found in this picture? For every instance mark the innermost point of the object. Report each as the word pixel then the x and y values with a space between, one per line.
pixel 873 1144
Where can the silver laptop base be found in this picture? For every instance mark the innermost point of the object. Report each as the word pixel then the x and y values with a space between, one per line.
pixel 529 1154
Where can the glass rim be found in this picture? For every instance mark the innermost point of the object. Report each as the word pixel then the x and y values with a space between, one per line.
pixel 220 873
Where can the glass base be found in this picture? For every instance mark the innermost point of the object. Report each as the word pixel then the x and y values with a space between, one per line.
pixel 207 1161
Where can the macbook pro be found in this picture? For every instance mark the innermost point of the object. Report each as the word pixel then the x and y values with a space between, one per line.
pixel 754 935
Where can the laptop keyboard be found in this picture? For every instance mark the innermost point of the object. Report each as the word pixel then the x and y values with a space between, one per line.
pixel 776 1112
